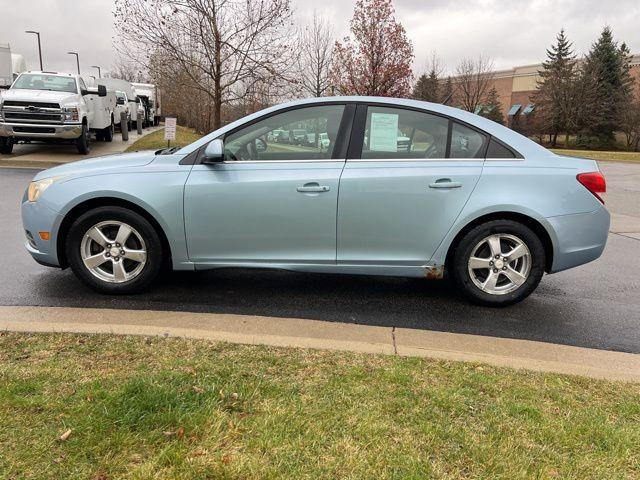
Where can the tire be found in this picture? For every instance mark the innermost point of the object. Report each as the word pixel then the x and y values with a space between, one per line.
pixel 107 133
pixel 516 278
pixel 129 125
pixel 6 145
pixel 122 274
pixel 83 141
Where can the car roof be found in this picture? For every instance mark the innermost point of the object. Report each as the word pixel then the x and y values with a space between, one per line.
pixel 522 144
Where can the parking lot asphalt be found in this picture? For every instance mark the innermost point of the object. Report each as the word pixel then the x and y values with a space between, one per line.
pixel 595 306
pixel 45 155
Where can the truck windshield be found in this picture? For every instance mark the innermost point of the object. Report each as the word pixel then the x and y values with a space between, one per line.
pixel 51 83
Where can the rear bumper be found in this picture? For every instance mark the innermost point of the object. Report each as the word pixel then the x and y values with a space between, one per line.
pixel 580 238
pixel 40 131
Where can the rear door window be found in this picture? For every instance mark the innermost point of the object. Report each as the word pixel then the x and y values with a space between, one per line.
pixel 398 133
pixel 467 142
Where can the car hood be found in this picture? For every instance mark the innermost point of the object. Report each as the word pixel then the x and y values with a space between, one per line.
pixel 38 95
pixel 99 165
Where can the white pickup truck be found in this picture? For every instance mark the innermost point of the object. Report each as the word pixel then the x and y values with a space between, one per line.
pixel 55 107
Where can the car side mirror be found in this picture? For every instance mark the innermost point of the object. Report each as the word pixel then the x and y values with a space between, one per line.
pixel 214 152
pixel 84 92
pixel 102 91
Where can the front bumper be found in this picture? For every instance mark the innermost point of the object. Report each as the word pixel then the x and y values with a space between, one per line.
pixel 40 131
pixel 37 218
pixel 579 238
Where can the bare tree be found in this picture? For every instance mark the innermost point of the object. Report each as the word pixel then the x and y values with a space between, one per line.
pixel 125 69
pixel 472 82
pixel 221 46
pixel 316 41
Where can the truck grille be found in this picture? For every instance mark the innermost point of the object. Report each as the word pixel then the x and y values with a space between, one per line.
pixel 32 112
pixel 16 103
pixel 28 117
pixel 34 130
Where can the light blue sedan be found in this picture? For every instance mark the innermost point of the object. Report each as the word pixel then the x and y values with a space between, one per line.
pixel 385 187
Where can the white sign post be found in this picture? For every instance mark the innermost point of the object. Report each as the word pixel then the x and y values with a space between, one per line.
pixel 170 129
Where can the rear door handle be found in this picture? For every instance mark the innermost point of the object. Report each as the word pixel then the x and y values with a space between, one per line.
pixel 313 188
pixel 445 183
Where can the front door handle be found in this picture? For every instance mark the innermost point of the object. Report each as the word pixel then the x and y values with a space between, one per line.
pixel 313 188
pixel 445 183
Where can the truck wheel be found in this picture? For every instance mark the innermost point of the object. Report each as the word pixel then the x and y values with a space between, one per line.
pixel 6 145
pixel 107 133
pixel 129 125
pixel 82 142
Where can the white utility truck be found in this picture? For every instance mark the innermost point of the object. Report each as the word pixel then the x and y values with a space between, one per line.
pixel 6 66
pixel 122 106
pixel 57 108
pixel 19 64
pixel 125 87
pixel 150 96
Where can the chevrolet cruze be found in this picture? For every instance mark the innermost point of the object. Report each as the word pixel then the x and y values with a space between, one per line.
pixel 462 197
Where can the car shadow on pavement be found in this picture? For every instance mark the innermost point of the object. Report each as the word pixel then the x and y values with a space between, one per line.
pixel 380 301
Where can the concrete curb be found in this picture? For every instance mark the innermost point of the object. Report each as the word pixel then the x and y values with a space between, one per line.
pixel 301 333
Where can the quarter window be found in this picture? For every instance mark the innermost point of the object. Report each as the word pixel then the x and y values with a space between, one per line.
pixel 466 142
pixel 396 133
pixel 308 133
pixel 497 150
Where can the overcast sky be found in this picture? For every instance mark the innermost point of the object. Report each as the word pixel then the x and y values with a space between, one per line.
pixel 511 32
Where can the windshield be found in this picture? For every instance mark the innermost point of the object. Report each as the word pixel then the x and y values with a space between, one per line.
pixel 53 83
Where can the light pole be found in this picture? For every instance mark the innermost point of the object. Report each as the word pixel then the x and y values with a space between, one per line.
pixel 39 47
pixel 77 60
pixel 96 66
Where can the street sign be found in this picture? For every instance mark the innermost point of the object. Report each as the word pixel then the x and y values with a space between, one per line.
pixel 170 128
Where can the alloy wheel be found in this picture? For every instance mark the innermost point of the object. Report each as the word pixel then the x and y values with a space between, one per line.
pixel 113 251
pixel 499 264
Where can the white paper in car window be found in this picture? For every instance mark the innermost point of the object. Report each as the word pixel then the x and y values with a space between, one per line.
pixel 384 132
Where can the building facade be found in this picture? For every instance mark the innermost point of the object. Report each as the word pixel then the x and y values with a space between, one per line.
pixel 516 86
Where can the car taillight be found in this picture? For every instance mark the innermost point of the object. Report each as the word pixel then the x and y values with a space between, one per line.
pixel 594 182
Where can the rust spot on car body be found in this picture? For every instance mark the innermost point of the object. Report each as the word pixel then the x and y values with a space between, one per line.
pixel 434 272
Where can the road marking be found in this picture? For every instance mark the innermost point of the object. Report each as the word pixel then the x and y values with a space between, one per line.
pixel 303 333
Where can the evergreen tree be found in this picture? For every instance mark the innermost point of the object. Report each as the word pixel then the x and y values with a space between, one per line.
pixel 555 98
pixel 492 108
pixel 427 88
pixel 447 91
pixel 607 65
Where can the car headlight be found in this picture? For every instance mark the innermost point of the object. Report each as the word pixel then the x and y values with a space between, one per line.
pixel 71 114
pixel 37 187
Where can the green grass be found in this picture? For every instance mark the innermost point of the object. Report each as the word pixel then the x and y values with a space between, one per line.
pixel 155 140
pixel 598 155
pixel 142 408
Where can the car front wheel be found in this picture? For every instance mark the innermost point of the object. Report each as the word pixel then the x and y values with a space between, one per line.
pixel 114 250
pixel 499 263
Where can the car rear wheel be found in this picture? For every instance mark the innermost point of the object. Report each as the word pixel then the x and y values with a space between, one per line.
pixel 114 250
pixel 499 263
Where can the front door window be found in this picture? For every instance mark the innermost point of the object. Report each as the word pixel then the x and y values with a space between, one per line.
pixel 302 134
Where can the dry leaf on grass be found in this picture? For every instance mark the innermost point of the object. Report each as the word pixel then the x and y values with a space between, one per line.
pixel 65 436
